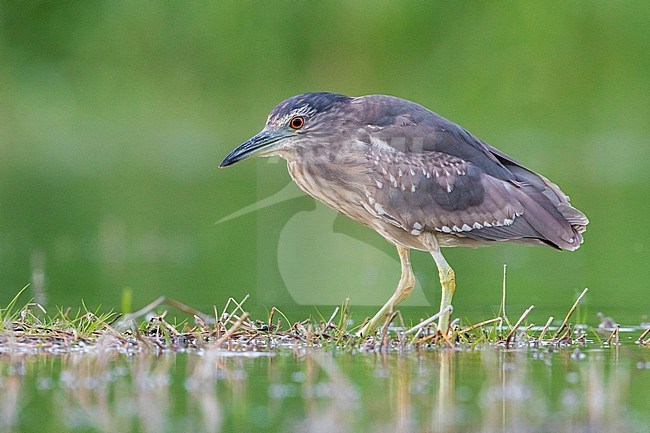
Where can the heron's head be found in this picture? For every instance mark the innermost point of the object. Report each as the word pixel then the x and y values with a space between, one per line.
pixel 292 122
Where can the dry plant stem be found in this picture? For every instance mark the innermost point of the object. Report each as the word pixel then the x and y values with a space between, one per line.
pixel 146 309
pixel 172 303
pixel 447 338
pixel 566 334
pixel 502 309
pixel 344 316
pixel 614 336
pixel 238 306
pixel 286 319
pixel 429 320
pixel 204 326
pixel 329 322
pixel 521 319
pixel 230 318
pixel 170 328
pixel 570 313
pixel 479 325
pixel 232 330
pixel 113 331
pixel 187 309
pixel 428 338
pixel 643 336
pixel 548 323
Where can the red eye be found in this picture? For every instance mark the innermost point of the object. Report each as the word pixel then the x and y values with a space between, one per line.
pixel 297 122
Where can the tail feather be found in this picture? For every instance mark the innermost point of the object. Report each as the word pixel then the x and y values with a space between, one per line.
pixel 549 210
pixel 544 217
pixel 540 222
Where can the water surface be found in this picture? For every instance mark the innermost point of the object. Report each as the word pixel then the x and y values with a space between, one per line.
pixel 312 390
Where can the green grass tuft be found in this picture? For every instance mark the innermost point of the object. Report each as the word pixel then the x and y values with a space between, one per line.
pixel 32 329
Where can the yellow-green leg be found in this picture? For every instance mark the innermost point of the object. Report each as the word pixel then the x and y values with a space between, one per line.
pixel 448 284
pixel 404 289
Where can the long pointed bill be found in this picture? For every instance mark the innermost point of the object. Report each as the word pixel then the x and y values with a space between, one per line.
pixel 263 140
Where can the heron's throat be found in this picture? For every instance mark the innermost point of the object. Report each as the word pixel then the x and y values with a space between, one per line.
pixel 335 178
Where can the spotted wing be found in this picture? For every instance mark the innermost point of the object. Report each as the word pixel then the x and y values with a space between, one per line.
pixel 410 128
pixel 436 176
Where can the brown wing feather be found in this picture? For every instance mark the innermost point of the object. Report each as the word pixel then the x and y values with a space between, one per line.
pixel 438 192
pixel 460 184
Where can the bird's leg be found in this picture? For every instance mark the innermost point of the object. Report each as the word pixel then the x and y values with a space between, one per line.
pixel 448 283
pixel 404 289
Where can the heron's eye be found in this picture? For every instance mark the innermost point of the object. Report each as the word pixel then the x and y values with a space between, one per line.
pixel 297 122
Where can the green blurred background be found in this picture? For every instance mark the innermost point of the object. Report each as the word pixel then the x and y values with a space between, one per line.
pixel 114 116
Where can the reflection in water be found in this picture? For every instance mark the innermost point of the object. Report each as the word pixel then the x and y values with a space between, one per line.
pixel 10 384
pixel 200 384
pixel 304 390
pixel 82 394
pixel 445 416
pixel 325 381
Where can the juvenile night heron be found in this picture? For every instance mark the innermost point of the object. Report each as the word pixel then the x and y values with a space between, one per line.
pixel 418 179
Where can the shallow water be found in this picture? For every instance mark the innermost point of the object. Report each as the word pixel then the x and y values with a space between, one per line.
pixel 529 390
